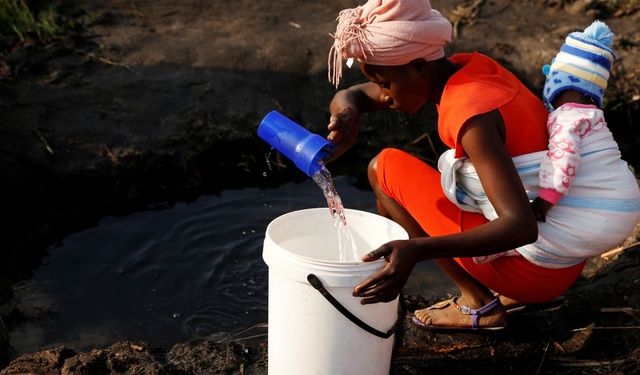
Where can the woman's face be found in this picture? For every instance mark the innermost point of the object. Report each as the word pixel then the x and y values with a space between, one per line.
pixel 403 88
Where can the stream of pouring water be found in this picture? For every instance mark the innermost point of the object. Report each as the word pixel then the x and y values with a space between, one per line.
pixel 347 250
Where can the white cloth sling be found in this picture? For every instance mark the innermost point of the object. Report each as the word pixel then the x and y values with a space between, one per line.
pixel 598 213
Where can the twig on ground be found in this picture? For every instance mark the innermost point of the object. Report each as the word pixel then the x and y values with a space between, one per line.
pixel 618 309
pixel 433 147
pixel 44 142
pixel 136 11
pixel 615 252
pixel 604 328
pixel 465 13
pixel 426 136
pixel 251 337
pixel 273 97
pixel 420 138
pixel 111 156
pixel 626 310
pixel 228 338
pixel 588 363
pixel 169 13
pixel 104 60
pixel 431 161
pixel 544 356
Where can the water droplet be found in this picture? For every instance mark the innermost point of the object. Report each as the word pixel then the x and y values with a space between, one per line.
pixel 175 315
pixel 264 174
pixel 244 232
pixel 267 158
pixel 253 231
pixel 246 350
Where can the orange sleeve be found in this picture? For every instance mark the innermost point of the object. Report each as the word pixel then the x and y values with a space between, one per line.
pixel 478 87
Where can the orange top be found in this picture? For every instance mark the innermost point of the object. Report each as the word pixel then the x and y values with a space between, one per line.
pixel 482 85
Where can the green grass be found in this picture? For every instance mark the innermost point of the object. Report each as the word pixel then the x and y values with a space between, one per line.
pixel 17 18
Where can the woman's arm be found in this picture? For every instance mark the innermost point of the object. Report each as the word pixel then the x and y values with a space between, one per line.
pixel 482 139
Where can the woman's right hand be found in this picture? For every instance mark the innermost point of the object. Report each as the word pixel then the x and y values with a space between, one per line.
pixel 346 107
pixel 343 130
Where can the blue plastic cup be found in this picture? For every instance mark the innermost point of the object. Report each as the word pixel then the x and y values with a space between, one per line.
pixel 304 148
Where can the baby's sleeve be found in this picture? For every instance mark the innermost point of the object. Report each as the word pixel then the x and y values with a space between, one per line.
pixel 560 164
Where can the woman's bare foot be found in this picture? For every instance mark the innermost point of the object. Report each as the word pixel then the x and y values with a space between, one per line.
pixel 445 315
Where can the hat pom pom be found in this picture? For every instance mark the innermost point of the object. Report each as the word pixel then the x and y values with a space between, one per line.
pixel 600 32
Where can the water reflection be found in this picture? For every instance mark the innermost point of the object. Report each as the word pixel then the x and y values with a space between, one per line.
pixel 166 276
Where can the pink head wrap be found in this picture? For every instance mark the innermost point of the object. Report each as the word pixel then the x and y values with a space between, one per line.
pixel 388 32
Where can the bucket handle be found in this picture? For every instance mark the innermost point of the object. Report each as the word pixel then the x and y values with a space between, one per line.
pixel 317 284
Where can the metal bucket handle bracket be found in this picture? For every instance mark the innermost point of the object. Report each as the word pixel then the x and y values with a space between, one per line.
pixel 317 284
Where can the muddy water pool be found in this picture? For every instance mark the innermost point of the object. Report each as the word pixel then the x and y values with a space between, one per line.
pixel 170 275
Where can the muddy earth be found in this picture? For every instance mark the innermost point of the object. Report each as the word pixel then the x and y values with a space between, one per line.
pixel 138 104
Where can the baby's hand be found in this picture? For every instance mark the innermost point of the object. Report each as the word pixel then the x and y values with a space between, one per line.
pixel 540 208
pixel 343 127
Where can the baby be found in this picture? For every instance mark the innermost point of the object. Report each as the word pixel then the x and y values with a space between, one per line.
pixel 573 91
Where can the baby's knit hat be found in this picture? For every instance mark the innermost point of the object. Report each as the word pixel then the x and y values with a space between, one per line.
pixel 583 64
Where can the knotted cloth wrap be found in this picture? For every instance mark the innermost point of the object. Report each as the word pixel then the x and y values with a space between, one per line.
pixel 388 32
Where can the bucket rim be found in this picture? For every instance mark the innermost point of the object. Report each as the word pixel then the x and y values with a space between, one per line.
pixel 376 264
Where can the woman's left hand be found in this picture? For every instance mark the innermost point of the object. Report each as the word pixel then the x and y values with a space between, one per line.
pixel 386 284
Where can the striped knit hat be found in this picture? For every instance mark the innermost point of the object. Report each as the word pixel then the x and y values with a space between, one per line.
pixel 583 64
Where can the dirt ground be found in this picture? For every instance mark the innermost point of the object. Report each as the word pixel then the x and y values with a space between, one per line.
pixel 141 103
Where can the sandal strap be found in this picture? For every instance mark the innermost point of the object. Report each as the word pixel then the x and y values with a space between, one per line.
pixel 475 313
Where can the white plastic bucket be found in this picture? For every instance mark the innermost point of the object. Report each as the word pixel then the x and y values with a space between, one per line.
pixel 307 334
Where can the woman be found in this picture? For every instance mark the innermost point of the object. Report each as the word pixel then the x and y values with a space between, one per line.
pixel 484 114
